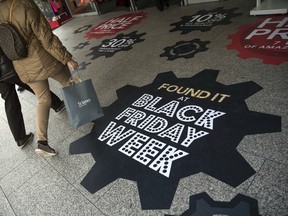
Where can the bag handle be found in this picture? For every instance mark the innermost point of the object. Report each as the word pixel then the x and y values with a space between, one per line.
pixel 10 20
pixel 10 12
pixel 75 79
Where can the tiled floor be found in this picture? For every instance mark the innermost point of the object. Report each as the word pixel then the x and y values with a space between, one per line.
pixel 32 185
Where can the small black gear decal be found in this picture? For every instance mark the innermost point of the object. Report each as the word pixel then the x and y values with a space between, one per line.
pixel 82 29
pixel 81 45
pixel 185 49
pixel 121 42
pixel 204 20
pixel 203 205
pixel 83 65
pixel 170 129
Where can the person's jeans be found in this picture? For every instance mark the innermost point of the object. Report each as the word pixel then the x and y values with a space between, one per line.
pixel 56 102
pixel 13 110
pixel 42 91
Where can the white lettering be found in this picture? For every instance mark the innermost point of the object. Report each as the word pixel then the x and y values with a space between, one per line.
pixel 163 162
pixel 116 135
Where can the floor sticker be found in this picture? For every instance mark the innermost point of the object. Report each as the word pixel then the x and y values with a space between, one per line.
pixel 204 20
pixel 185 49
pixel 115 25
pixel 203 205
pixel 173 128
pixel 267 39
pixel 82 29
pixel 121 42
pixel 81 45
pixel 83 65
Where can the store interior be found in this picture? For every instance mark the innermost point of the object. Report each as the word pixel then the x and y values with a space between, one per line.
pixel 57 12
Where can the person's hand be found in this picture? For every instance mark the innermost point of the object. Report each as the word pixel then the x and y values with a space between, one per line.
pixel 73 65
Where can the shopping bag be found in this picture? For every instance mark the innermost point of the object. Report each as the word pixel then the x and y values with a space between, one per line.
pixel 81 103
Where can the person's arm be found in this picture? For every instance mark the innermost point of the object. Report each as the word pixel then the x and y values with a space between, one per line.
pixel 73 65
pixel 50 42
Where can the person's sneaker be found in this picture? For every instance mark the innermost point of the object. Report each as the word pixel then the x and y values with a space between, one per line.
pixel 44 149
pixel 25 141
pixel 20 89
pixel 60 108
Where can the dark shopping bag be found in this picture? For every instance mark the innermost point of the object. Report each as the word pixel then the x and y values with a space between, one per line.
pixel 81 103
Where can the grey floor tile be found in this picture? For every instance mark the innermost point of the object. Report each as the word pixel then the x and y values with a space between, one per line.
pixel 5 131
pixel 270 188
pixel 72 167
pixel 5 208
pixel 93 197
pixel 2 111
pixel 22 173
pixel 11 155
pixel 48 193
pixel 271 146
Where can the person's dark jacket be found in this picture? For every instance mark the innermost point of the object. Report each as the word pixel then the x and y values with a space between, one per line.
pixel 7 70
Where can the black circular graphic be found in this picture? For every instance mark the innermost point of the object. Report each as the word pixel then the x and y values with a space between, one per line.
pixel 82 29
pixel 185 49
pixel 81 45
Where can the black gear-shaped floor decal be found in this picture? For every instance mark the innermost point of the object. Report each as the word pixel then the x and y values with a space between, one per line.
pixel 81 45
pixel 204 20
pixel 185 49
pixel 83 65
pixel 82 29
pixel 173 128
pixel 203 205
pixel 120 43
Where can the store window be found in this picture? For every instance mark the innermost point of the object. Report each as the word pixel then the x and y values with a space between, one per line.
pixel 83 6
pixel 55 11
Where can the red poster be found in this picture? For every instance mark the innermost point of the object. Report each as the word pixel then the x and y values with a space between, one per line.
pixel 267 40
pixel 115 25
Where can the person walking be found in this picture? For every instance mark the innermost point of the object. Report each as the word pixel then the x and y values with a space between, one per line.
pixel 160 4
pixel 8 80
pixel 47 58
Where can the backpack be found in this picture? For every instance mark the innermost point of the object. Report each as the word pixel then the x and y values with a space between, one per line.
pixel 11 41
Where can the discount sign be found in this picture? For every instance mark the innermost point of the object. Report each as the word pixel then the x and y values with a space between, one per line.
pixel 121 42
pixel 204 20
pixel 115 25
pixel 267 39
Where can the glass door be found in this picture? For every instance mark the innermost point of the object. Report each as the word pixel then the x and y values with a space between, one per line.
pixel 61 10
pixel 83 7
pixel 55 11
